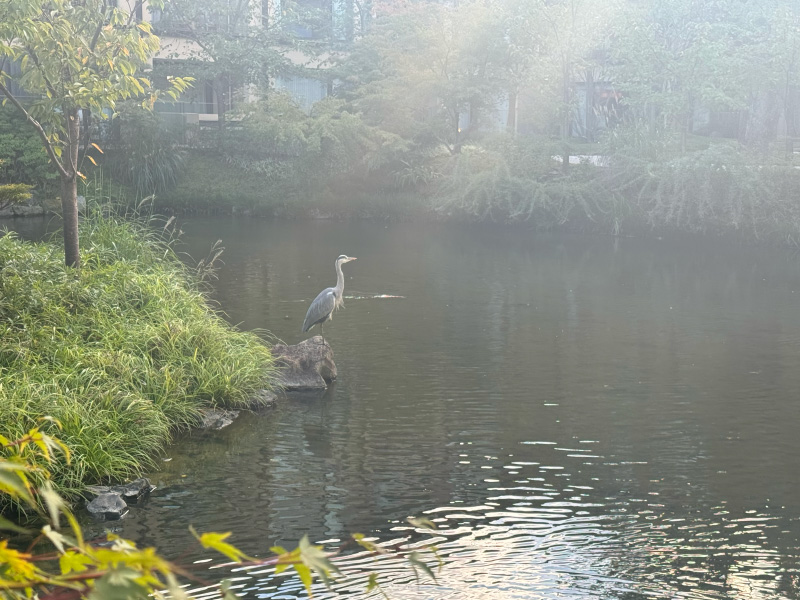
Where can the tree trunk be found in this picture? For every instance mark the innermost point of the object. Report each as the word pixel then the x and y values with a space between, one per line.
pixel 69 212
pixel 566 117
pixel 69 191
pixel 588 107
pixel 365 12
pixel 457 144
pixel 221 90
pixel 511 120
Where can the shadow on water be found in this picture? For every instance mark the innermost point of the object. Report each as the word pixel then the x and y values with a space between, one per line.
pixel 582 417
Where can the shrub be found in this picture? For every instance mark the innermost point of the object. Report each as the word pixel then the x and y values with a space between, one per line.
pixel 720 190
pixel 13 193
pixel 22 157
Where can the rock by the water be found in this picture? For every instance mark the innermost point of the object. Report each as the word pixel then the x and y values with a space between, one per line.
pixel 307 365
pixel 109 506
pixel 217 418
pixel 132 492
pixel 135 490
pixel 28 208
pixel 263 399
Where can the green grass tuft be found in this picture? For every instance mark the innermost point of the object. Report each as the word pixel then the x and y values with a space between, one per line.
pixel 123 353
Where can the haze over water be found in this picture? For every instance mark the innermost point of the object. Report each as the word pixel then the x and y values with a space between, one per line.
pixel 583 417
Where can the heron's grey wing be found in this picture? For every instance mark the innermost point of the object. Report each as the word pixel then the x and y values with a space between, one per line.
pixel 320 309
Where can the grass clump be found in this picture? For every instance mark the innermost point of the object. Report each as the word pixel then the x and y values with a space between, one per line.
pixel 123 353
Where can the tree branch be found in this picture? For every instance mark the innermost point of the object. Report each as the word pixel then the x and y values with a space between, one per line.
pixel 100 24
pixel 38 64
pixel 48 145
pixel 132 14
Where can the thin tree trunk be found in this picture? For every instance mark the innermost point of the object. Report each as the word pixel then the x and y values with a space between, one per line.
pixel 685 129
pixel 588 107
pixel 457 144
pixel 511 120
pixel 566 118
pixel 221 89
pixel 69 191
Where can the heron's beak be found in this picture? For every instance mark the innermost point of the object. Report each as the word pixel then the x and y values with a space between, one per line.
pixel 352 258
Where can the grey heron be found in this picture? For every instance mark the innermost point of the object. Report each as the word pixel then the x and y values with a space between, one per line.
pixel 327 301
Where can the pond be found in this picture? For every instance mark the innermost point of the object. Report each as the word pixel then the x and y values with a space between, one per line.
pixel 582 417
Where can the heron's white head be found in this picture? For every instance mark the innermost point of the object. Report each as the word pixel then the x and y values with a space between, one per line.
pixel 345 259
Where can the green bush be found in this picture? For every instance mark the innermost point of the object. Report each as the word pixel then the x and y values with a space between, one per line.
pixel 22 157
pixel 209 185
pixel 720 190
pixel 123 352
pixel 517 181
pixel 641 187
pixel 13 193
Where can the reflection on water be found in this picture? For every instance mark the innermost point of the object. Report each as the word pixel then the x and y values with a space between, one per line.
pixel 581 417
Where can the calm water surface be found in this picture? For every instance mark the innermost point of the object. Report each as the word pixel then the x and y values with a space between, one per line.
pixel 582 417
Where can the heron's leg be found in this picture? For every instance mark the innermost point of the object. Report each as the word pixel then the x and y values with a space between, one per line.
pixel 322 330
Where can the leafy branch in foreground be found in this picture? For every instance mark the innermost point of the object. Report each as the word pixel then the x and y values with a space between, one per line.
pixel 117 569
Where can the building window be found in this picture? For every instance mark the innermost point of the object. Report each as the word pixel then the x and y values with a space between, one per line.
pixel 303 90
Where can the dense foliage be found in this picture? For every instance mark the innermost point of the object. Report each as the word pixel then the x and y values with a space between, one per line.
pixel 569 113
pixel 22 158
pixel 146 159
pixel 123 353
pixel 617 116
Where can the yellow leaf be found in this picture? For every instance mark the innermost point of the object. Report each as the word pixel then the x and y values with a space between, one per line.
pixel 15 563
pixel 91 159
pixel 216 541
pixel 73 562
pixel 98 148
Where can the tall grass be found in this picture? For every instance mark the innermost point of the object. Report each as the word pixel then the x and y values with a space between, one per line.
pixel 123 353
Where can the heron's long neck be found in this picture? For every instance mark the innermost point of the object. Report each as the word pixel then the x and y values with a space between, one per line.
pixel 339 279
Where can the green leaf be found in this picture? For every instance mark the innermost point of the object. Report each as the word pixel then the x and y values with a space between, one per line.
pixel 216 541
pixel 119 584
pixel 74 562
pixel 372 582
pixel 305 576
pixel 227 592
pixel 372 585
pixel 368 545
pixel 421 522
pixel 315 558
pixel 6 525
pixel 14 483
pixel 286 559
pixel 417 563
